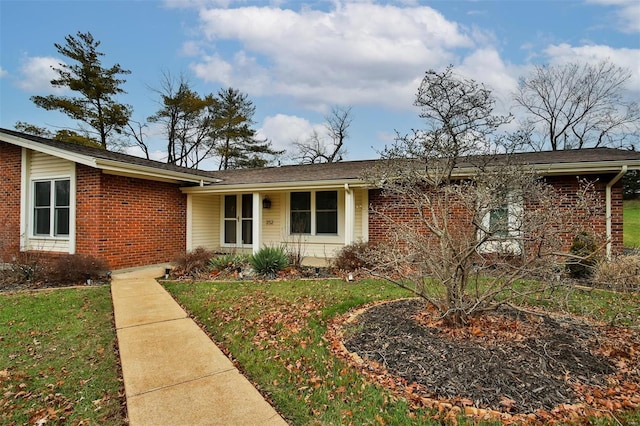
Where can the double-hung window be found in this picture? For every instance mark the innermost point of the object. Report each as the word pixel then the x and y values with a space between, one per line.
pixel 51 208
pixel 314 212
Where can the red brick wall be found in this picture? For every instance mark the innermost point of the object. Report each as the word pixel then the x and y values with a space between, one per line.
pixel 10 172
pixel 568 185
pixel 128 221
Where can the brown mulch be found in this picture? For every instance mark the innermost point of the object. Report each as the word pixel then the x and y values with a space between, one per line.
pixel 535 364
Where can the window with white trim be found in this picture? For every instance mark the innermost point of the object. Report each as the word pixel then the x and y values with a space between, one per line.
pixel 51 208
pixel 501 227
pixel 314 212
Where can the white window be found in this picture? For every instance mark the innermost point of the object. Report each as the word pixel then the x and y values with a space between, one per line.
pixel 51 208
pixel 314 212
pixel 501 227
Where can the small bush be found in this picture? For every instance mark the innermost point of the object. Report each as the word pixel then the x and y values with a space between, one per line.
pixel 585 248
pixel 193 262
pixel 352 257
pixel 36 270
pixel 76 268
pixel 621 273
pixel 269 261
pixel 227 262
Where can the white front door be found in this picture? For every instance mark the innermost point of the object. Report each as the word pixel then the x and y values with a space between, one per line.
pixel 238 220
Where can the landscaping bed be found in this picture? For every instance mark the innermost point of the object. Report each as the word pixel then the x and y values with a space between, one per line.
pixel 555 367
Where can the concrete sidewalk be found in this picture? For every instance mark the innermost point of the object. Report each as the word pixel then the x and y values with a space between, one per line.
pixel 173 373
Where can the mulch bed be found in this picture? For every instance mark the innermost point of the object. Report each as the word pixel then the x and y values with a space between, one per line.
pixel 510 364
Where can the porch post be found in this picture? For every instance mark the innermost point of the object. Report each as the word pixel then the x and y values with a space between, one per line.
pixel 257 222
pixel 349 215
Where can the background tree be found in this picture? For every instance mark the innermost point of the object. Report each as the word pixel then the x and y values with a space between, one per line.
pixel 186 118
pixel 460 241
pixel 236 144
pixel 97 88
pixel 63 135
pixel 578 106
pixel 318 149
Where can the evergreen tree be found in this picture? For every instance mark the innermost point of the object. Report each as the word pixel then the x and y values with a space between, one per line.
pixel 235 140
pixel 95 85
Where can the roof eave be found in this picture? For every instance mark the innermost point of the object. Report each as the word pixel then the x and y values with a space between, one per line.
pixel 277 186
pixel 110 166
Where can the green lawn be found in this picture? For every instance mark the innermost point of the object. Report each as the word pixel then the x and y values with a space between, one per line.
pixel 631 214
pixel 276 333
pixel 58 360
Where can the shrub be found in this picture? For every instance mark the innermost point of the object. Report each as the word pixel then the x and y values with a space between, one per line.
pixel 229 261
pixel 193 262
pixel 76 268
pixel 621 273
pixel 352 257
pixel 584 247
pixel 268 261
pixel 34 269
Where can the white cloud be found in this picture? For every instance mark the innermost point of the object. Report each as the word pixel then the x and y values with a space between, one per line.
pixel 157 155
pixel 626 58
pixel 355 53
pixel 3 72
pixel 627 13
pixel 282 130
pixel 36 74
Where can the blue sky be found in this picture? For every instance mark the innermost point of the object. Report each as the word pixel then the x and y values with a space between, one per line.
pixel 297 59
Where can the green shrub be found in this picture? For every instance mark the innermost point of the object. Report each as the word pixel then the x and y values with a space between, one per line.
pixel 268 261
pixel 584 247
pixel 193 262
pixel 352 257
pixel 226 262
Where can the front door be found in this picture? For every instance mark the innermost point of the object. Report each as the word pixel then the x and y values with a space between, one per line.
pixel 238 219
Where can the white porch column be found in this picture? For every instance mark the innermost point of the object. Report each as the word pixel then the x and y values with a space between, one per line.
pixel 189 238
pixel 257 222
pixel 349 215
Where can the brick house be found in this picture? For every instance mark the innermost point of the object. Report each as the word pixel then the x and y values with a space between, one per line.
pixel 58 197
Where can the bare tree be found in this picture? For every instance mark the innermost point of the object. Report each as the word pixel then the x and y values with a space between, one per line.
pixel 464 221
pixel 578 106
pixel 137 133
pixel 329 149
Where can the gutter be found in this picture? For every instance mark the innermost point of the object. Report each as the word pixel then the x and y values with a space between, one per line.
pixel 609 207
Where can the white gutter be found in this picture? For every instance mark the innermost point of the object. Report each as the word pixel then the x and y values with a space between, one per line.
pixel 275 186
pixel 613 181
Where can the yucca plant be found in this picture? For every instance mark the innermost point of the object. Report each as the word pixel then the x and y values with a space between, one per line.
pixel 268 261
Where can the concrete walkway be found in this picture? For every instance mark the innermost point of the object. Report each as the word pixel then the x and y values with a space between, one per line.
pixel 173 373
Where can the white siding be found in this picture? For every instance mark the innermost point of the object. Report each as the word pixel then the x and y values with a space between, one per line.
pixel 205 225
pixel 273 231
pixel 43 166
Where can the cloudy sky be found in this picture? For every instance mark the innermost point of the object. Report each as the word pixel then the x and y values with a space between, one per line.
pixel 297 59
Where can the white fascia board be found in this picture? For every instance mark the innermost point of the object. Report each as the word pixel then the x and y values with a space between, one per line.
pixel 49 150
pixel 135 170
pixel 111 166
pixel 276 186
pixel 567 168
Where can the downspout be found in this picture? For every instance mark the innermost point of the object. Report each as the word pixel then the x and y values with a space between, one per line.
pixel 609 207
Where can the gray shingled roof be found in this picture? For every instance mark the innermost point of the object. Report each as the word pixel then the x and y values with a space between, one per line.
pixel 356 169
pixel 106 155
pixel 334 171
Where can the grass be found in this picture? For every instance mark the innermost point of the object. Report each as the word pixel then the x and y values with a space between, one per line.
pixel 276 333
pixel 631 217
pixel 58 362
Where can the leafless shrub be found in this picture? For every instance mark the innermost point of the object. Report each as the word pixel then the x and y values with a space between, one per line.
pixel 193 262
pixel 463 221
pixel 621 273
